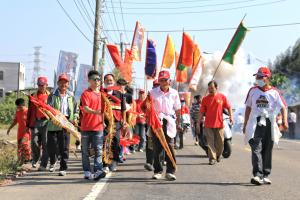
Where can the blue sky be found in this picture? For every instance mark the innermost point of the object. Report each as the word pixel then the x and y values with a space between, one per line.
pixel 29 23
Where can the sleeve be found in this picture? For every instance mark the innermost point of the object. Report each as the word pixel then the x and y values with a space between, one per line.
pixel 177 104
pixel 75 109
pixel 203 106
pixel 280 101
pixel 85 101
pixel 248 101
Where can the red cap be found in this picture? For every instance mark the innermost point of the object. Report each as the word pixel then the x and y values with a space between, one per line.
pixel 63 77
pixel 164 75
pixel 42 80
pixel 264 72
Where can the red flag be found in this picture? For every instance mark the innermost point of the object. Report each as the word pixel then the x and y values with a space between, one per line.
pixel 181 75
pixel 115 55
pixel 126 68
pixel 186 52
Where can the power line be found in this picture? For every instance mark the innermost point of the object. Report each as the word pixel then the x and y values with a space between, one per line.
pixel 86 22
pixel 164 2
pixel 123 20
pixel 91 7
pixel 86 12
pixel 203 11
pixel 114 14
pixel 183 7
pixel 73 22
pixel 213 29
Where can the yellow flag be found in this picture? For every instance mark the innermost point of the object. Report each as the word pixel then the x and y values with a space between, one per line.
pixel 169 53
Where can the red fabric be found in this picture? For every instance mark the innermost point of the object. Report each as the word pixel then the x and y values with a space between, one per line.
pixel 42 80
pixel 33 110
pixel 164 75
pixel 91 122
pixel 187 49
pixel 20 118
pixel 184 110
pixel 126 68
pixel 151 116
pixel 139 111
pixel 63 77
pixel 264 71
pixel 212 106
pixel 115 55
pixel 125 142
pixel 42 98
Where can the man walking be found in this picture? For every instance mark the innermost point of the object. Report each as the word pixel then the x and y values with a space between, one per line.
pixel 38 123
pixel 263 102
pixel 212 108
pixel 292 124
pixel 92 126
pixel 167 104
pixel 140 121
pixel 63 100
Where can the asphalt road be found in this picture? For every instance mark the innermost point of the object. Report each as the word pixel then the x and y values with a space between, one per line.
pixel 195 178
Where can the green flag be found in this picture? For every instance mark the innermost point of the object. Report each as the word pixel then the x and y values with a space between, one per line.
pixel 235 43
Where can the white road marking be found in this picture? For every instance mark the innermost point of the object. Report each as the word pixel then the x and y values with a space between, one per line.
pixel 98 188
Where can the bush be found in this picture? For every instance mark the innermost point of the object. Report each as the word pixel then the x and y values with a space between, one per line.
pixel 9 163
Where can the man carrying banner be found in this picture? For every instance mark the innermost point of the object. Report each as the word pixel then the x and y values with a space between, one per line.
pixel 118 102
pixel 37 121
pixel 92 108
pixel 167 104
pixel 63 100
pixel 260 128
pixel 212 108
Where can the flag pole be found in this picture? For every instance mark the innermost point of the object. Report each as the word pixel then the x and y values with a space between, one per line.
pixel 227 48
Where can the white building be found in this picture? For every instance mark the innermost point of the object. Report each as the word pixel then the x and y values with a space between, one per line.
pixel 12 77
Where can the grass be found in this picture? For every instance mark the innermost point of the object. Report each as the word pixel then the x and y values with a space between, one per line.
pixel 9 163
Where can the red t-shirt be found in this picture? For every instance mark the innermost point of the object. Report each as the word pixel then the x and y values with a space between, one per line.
pixel 141 120
pixel 20 118
pixel 43 98
pixel 212 106
pixel 91 122
pixel 184 110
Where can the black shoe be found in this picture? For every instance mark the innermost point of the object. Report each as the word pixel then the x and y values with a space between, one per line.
pixel 148 167
pixel 257 180
pixel 99 174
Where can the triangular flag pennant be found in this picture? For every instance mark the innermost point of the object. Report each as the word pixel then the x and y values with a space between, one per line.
pixel 197 68
pixel 137 42
pixel 186 52
pixel 115 55
pixel 235 43
pixel 169 53
pixel 150 61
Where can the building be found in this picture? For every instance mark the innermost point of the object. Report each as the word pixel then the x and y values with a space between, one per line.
pixel 12 77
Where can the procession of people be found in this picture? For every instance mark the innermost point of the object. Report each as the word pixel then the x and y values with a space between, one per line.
pixel 155 123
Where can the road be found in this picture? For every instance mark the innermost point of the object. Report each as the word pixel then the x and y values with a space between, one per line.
pixel 195 178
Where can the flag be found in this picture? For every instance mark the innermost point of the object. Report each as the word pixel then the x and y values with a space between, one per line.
pixel 82 80
pixel 150 61
pixel 181 75
pixel 235 43
pixel 196 68
pixel 67 64
pixel 137 42
pixel 186 52
pixel 115 55
pixel 126 68
pixel 169 53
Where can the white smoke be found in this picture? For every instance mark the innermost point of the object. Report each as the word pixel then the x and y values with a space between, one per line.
pixel 233 80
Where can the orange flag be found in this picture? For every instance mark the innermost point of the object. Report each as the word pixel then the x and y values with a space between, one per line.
pixel 186 52
pixel 126 69
pixel 181 75
pixel 198 63
pixel 169 53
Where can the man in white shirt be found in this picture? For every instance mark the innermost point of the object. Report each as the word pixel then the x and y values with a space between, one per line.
pixel 260 128
pixel 167 106
pixel 292 124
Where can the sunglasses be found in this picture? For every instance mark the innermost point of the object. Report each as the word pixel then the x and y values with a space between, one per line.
pixel 95 79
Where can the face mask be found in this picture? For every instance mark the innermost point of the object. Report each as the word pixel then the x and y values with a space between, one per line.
pixel 109 85
pixel 260 83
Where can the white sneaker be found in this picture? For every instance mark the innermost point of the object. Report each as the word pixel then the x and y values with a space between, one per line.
pixel 170 177
pixel 62 173
pixel 141 150
pixel 196 143
pixel 106 170
pixel 157 176
pixel 257 180
pixel 52 167
pixel 267 181
pixel 88 175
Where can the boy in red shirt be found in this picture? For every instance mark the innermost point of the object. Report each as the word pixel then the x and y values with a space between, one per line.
pixel 92 126
pixel 23 137
pixel 212 108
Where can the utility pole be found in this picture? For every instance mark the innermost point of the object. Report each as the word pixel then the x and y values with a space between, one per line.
pixel 97 31
pixel 102 60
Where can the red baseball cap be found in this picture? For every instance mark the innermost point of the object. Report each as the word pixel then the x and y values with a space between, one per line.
pixel 63 77
pixel 164 75
pixel 42 80
pixel 263 72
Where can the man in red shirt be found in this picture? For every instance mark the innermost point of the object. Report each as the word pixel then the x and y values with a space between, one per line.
pixel 140 120
pixel 38 124
pixel 212 108
pixel 92 126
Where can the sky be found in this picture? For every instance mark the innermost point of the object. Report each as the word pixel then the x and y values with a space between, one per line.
pixel 30 23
